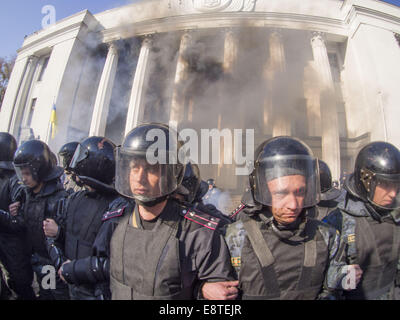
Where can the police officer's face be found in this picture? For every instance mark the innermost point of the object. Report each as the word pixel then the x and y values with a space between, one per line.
pixel 385 194
pixel 144 178
pixel 27 178
pixel 288 195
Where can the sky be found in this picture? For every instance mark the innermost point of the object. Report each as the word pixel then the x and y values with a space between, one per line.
pixel 23 17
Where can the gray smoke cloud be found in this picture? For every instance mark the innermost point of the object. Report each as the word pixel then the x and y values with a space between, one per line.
pixel 82 76
pixel 220 199
pixel 212 96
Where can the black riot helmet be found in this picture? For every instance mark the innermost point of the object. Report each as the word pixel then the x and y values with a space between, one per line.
pixel 66 153
pixel 377 165
pixel 278 158
pixel 192 183
pixel 36 156
pixel 8 146
pixel 328 191
pixel 211 182
pixel 94 162
pixel 150 164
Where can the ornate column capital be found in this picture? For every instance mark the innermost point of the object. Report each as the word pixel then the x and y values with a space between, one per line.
pixel 148 39
pixel 276 32
pixel 230 31
pixel 112 48
pixel 318 37
pixel 187 34
pixel 33 59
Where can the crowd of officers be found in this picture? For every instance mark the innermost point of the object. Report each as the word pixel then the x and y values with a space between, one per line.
pixel 113 225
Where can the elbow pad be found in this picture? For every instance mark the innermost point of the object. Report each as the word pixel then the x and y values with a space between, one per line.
pixel 55 253
pixel 87 270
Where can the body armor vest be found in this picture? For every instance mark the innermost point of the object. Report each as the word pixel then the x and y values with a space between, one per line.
pixel 84 219
pixel 277 268
pixel 375 247
pixel 36 210
pixel 34 215
pixel 145 264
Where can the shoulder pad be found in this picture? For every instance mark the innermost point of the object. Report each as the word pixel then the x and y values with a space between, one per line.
pixel 113 214
pixel 200 218
pixel 237 210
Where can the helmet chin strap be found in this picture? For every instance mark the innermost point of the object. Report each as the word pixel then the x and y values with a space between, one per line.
pixel 151 203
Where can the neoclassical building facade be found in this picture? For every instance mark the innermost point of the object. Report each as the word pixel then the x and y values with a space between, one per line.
pixel 325 71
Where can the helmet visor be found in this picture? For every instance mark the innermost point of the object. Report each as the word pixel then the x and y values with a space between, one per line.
pixel 25 173
pixel 80 154
pixel 137 178
pixel 64 159
pixel 384 191
pixel 287 181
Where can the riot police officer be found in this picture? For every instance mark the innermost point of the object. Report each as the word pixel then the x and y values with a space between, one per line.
pixel 278 251
pixel 42 191
pixel 13 247
pixel 368 220
pixel 329 194
pixel 192 188
pixel 81 215
pixel 65 155
pixel 192 191
pixel 157 248
pixel 211 192
pixel 216 197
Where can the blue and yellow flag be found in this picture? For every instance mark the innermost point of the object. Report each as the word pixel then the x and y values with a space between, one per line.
pixel 53 121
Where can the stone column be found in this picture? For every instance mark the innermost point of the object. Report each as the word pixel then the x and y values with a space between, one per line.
pixel 136 107
pixel 276 104
pixel 178 97
pixel 230 65
pixel 329 117
pixel 312 96
pixel 230 51
pixel 277 51
pixel 20 101
pixel 104 91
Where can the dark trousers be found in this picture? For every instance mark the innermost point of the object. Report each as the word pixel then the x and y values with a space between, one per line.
pixel 16 260
pixel 80 293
